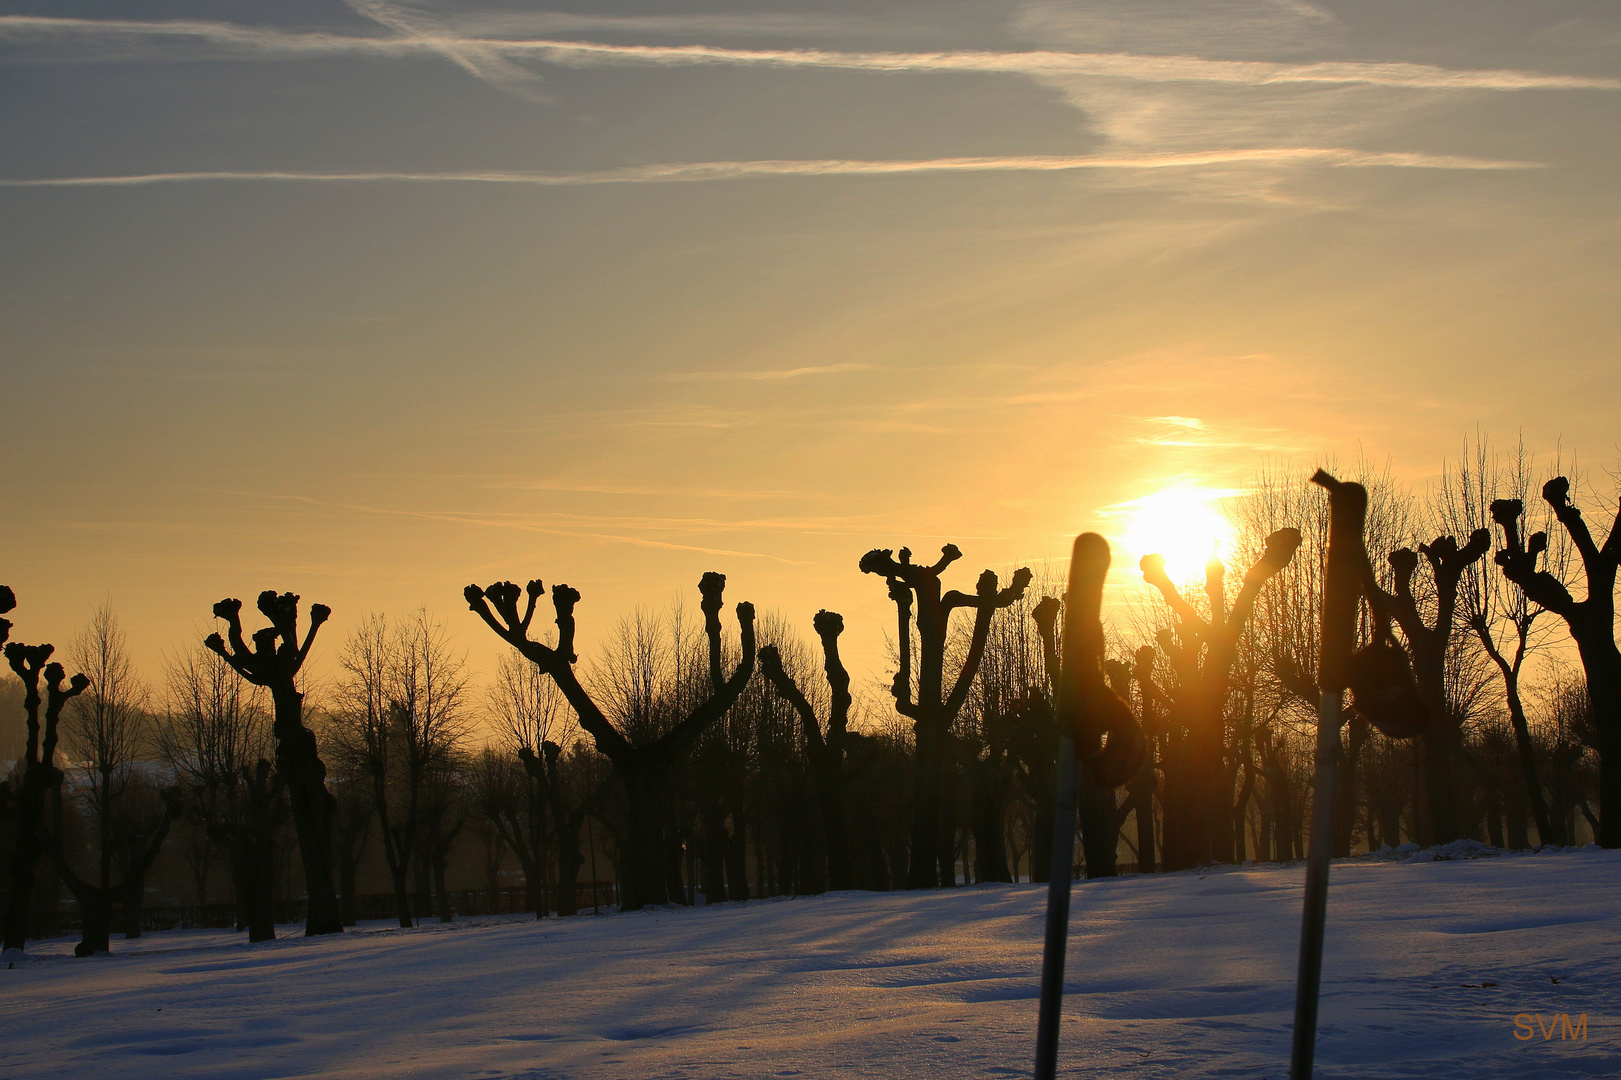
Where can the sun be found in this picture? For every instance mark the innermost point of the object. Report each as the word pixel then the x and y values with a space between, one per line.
pixel 1184 524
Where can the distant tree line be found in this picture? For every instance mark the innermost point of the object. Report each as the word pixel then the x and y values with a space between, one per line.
pixel 724 758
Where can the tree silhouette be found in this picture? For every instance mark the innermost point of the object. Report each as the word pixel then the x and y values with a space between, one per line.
pixel 1197 793
pixel 644 770
pixel 274 663
pixel 400 716
pixel 914 587
pixel 826 751
pixel 40 776
pixel 1441 746
pixel 96 901
pixel 1591 621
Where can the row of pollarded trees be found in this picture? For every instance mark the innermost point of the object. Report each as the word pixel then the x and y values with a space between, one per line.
pixel 718 767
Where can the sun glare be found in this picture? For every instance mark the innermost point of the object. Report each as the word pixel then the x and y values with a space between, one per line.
pixel 1184 524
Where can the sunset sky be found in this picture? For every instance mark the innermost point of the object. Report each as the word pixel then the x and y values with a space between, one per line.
pixel 371 300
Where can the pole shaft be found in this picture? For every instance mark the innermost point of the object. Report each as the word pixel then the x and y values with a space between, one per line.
pixel 1057 934
pixel 1323 799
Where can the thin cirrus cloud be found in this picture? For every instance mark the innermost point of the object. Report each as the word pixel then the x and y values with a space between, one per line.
pixel 489 57
pixel 776 375
pixel 688 172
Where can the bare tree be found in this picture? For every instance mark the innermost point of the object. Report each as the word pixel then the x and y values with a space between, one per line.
pixel 1591 622
pixel 215 739
pixel 106 732
pixel 274 663
pixel 929 704
pixel 1202 649
pixel 1501 617
pixel 401 718
pixel 446 800
pixel 643 768
pixel 212 729
pixel 530 713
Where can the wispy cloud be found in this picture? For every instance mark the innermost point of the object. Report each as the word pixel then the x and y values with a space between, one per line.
pixel 417 36
pixel 766 376
pixel 475 57
pixel 686 172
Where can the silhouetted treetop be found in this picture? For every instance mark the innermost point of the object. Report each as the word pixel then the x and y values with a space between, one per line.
pixel 268 662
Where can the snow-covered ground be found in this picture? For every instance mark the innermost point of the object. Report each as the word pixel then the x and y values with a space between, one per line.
pixel 1177 975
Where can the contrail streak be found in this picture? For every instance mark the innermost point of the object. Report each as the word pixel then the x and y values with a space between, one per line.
pixel 687 172
pixel 421 41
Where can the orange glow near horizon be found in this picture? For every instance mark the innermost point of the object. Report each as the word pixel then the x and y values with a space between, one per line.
pixel 1182 523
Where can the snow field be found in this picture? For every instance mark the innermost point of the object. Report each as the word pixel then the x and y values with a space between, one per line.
pixel 1180 975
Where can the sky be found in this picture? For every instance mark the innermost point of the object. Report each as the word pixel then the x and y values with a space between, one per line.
pixel 369 300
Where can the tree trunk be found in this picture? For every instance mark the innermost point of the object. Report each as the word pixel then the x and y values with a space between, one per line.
pixel 440 865
pixel 738 860
pixel 1345 794
pixel 23 870
pixel 301 769
pixel 1097 817
pixel 96 915
pixel 1601 662
pixel 569 861
pixel 645 880
pixel 923 869
pixel 133 901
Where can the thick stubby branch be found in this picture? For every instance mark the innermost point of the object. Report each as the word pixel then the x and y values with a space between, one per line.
pixel 1045 614
pixel 988 599
pixel 56 698
pixel 1556 493
pixel 563 600
pixel 1153 568
pixel 828 626
pixel 789 691
pixel 901 686
pixel 1518 560
pixel 679 737
pixel 8 602
pixel 712 588
pixel 1280 548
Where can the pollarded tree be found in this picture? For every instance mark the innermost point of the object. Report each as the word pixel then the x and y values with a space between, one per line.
pixel 1591 622
pixel 274 662
pixel 1430 643
pixel 825 749
pixel 1197 793
pixel 931 707
pixel 40 776
pixel 644 768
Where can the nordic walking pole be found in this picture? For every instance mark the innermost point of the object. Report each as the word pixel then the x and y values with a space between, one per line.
pixel 1083 665
pixel 1057 935
pixel 1347 567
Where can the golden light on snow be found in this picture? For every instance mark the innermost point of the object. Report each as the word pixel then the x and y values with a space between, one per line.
pixel 1184 524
